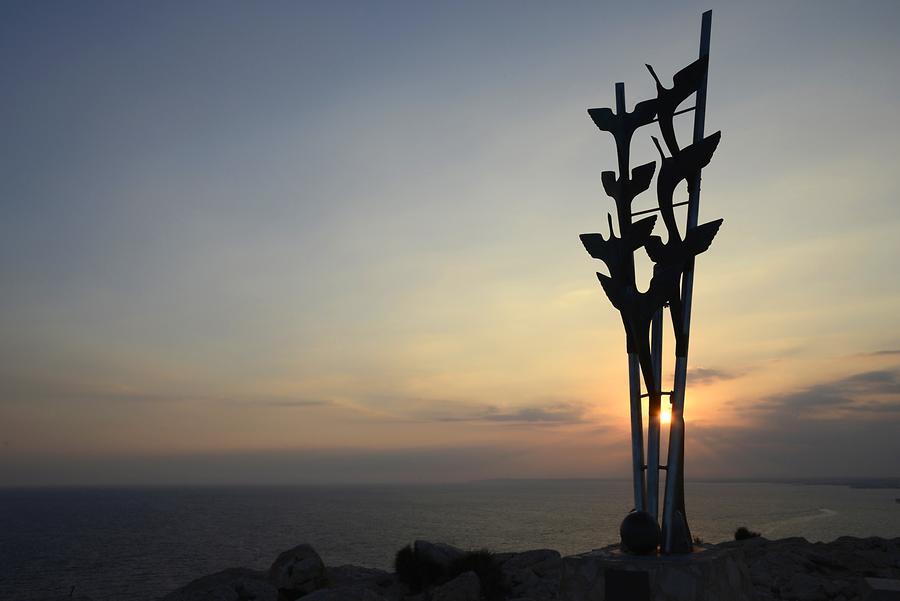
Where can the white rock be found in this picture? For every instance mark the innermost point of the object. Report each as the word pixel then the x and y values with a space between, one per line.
pixel 464 587
pixel 804 587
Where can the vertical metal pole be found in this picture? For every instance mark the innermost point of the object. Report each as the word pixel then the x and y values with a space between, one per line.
pixel 675 457
pixel 699 125
pixel 653 415
pixel 634 369
pixel 623 156
pixel 637 431
pixel 675 472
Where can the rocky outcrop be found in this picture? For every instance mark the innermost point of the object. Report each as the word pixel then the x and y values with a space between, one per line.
pixel 793 568
pixel 339 594
pixel 464 587
pixel 235 584
pixel 297 572
pixel 355 582
pixel 759 569
pixel 533 575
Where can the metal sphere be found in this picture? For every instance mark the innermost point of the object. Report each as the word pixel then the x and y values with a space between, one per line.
pixel 639 533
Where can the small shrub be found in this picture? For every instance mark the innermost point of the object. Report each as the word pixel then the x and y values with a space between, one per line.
pixel 490 576
pixel 405 567
pixel 743 533
pixel 416 572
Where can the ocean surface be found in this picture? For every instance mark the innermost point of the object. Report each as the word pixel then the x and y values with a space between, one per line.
pixel 140 543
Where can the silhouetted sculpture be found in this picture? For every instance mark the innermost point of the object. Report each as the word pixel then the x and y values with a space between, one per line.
pixel 670 285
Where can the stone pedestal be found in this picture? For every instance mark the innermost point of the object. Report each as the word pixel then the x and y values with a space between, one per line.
pixel 708 574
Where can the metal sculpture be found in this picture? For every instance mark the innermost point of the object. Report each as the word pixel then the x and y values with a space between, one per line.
pixel 671 284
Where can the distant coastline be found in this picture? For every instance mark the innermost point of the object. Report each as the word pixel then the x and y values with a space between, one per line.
pixel 856 482
pixel 860 483
pixel 849 481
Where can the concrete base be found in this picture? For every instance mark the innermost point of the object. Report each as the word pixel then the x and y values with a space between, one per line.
pixel 708 574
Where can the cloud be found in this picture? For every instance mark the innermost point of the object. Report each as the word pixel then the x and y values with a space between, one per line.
pixel 843 427
pixel 284 402
pixel 880 353
pixel 31 390
pixel 567 413
pixel 554 414
pixel 790 446
pixel 706 375
pixel 869 391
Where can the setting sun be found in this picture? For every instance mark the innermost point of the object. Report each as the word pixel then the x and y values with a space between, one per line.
pixel 665 415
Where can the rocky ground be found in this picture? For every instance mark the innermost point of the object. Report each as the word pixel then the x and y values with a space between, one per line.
pixel 795 569
pixel 792 569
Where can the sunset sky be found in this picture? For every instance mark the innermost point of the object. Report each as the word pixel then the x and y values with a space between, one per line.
pixel 288 242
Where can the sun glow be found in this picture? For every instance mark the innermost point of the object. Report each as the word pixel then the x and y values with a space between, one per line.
pixel 665 415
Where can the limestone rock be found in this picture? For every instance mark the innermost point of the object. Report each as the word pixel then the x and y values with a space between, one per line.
pixel 805 587
pixel 343 594
pixel 297 572
pixel 758 569
pixel 355 582
pixel 464 587
pixel 796 569
pixel 354 575
pixel 235 584
pixel 533 574
pixel 539 560
pixel 882 589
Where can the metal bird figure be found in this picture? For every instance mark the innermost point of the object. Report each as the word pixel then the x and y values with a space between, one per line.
pixel 624 190
pixel 614 251
pixel 683 164
pixel 623 125
pixel 685 83
pixel 636 308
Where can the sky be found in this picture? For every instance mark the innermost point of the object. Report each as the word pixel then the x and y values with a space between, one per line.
pixel 306 242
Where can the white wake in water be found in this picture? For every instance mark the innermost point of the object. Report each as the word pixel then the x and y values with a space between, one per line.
pixel 792 522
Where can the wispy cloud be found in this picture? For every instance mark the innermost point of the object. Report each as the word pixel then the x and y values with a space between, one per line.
pixel 553 414
pixel 37 390
pixel 289 402
pixel 840 426
pixel 870 391
pixel 707 375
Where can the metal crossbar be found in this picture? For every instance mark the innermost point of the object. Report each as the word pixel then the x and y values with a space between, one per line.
pixel 675 204
pixel 676 113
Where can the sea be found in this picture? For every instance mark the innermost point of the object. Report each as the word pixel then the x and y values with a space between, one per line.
pixel 141 543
